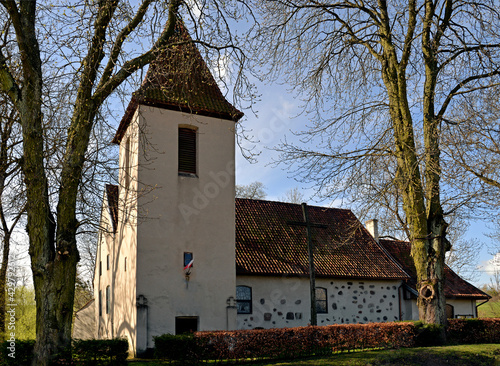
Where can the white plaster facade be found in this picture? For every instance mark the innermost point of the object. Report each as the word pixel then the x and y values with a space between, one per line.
pixel 140 287
pixel 158 208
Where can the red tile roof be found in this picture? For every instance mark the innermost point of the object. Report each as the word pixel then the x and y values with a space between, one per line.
pixel 266 244
pixel 179 79
pixel 454 285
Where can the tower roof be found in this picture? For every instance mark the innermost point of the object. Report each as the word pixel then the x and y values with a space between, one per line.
pixel 179 79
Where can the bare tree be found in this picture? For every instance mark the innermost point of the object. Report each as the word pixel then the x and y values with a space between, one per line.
pixel 255 190
pixel 463 257
pixel 382 81
pixel 119 39
pixel 293 195
pixel 12 201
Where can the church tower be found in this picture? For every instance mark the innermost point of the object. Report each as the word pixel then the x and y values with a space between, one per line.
pixel 173 250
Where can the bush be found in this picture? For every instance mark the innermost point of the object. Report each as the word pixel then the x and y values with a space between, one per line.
pixel 428 335
pixel 473 331
pixel 303 341
pixel 88 352
pixel 182 347
pixel 23 352
pixel 100 351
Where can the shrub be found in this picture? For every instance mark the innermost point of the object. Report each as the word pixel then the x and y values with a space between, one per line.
pixel 100 351
pixel 23 352
pixel 177 347
pixel 428 335
pixel 303 341
pixel 473 331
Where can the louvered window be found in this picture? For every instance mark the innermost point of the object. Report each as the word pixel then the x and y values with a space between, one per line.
pixel 187 151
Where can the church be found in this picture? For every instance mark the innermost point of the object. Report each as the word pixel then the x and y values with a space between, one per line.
pixel 178 253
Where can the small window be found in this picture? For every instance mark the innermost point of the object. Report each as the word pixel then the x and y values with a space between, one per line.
pixel 244 299
pixel 186 324
pixel 187 151
pixel 100 268
pixel 108 300
pixel 107 262
pixel 126 166
pixel 125 265
pixel 100 302
pixel 321 301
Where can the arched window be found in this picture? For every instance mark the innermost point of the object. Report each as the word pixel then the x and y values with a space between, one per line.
pixel 244 299
pixel 321 301
pixel 450 311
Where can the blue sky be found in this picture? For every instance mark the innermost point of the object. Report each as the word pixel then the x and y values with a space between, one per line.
pixel 276 117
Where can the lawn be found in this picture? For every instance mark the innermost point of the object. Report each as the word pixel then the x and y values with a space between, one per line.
pixel 489 310
pixel 464 355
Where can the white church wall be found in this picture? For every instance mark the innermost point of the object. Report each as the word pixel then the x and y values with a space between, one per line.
pixel 103 275
pixel 409 309
pixel 284 301
pixel 463 307
pixel 125 261
pixel 185 214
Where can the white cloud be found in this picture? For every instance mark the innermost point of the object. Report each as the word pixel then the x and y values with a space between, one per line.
pixel 492 265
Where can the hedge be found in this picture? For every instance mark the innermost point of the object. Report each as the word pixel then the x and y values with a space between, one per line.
pixel 319 340
pixel 84 352
pixel 473 331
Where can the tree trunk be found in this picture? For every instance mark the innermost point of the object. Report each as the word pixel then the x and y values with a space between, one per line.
pixel 3 279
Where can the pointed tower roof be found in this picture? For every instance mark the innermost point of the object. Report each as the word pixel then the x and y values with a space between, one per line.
pixel 179 79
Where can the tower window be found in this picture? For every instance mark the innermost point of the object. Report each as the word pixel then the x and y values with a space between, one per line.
pixel 187 150
pixel 100 302
pixel 127 163
pixel 108 300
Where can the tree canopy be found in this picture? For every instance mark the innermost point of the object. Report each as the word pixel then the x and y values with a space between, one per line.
pixel 385 84
pixel 72 57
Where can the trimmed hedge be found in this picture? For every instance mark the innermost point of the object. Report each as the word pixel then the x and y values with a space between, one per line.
pixel 303 341
pixel 319 340
pixel 473 331
pixel 100 351
pixel 183 347
pixel 85 352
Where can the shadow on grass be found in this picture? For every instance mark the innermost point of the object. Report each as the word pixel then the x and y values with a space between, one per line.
pixel 463 355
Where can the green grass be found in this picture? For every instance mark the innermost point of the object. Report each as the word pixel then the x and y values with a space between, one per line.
pixel 489 310
pixel 464 355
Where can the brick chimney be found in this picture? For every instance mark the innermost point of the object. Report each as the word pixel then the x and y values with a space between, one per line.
pixel 372 227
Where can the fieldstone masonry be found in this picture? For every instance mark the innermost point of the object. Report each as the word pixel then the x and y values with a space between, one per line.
pixel 284 302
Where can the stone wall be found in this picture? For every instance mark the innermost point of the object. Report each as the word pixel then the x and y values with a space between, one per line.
pixel 284 301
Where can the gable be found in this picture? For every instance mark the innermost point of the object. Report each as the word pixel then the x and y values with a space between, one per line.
pixel 266 244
